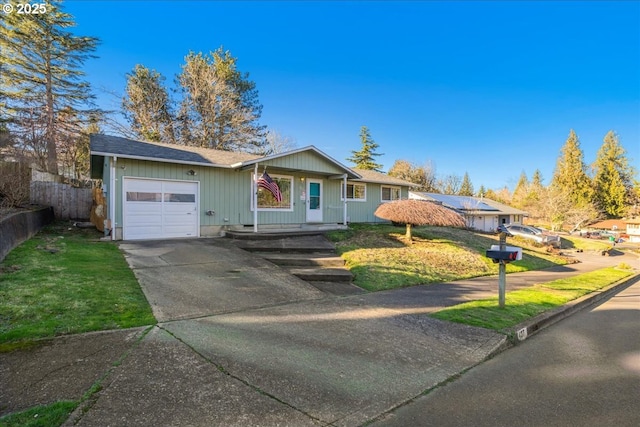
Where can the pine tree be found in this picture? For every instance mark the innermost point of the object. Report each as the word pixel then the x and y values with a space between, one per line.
pixel 364 158
pixel 41 76
pixel 466 188
pixel 570 177
pixel 569 198
pixel 536 180
pixel 219 107
pixel 613 177
pixel 147 106
pixel 521 191
pixel 482 191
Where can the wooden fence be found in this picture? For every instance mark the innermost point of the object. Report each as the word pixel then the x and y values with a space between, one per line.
pixel 68 202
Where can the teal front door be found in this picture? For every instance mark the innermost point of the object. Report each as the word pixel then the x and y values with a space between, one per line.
pixel 314 200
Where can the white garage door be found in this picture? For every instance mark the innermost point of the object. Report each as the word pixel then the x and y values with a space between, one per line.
pixel 155 209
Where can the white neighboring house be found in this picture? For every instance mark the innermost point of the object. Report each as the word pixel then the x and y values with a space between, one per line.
pixel 633 230
pixel 479 213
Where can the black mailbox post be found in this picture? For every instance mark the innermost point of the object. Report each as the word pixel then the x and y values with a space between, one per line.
pixel 503 257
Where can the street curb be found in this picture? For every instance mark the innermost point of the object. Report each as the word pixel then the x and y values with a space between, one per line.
pixel 534 325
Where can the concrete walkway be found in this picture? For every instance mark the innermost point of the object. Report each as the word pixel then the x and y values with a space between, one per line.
pixel 239 342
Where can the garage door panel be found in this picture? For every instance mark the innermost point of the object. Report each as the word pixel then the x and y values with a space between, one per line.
pixel 143 220
pixel 160 209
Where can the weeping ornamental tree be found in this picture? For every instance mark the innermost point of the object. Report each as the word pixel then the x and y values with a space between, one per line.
pixel 418 212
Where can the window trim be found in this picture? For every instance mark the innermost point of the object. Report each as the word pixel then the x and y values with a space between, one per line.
pixel 352 199
pixel 382 199
pixel 278 209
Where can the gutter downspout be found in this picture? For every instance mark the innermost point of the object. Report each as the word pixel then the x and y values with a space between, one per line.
pixel 255 198
pixel 112 196
pixel 344 191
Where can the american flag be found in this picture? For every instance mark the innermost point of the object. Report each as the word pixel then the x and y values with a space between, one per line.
pixel 267 183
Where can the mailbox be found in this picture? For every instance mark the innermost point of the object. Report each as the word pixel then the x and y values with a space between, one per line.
pixel 511 253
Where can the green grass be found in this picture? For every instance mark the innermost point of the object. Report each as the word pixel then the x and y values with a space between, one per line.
pixel 65 281
pixel 523 304
pixel 380 258
pixel 585 244
pixel 41 416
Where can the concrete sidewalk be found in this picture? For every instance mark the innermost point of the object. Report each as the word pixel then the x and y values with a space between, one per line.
pixel 240 343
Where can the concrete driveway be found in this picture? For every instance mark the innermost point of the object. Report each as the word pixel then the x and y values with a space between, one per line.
pixel 185 279
pixel 240 342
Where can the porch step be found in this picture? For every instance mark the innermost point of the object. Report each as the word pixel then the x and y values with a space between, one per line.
pixel 269 232
pixel 303 259
pixel 322 274
pixel 300 244
pixel 338 288
pixel 311 258
pixel 275 235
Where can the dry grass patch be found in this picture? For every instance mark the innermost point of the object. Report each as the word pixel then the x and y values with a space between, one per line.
pixel 380 257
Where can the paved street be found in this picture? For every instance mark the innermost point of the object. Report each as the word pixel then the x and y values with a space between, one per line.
pixel 585 371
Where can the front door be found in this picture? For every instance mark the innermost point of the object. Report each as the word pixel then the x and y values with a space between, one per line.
pixel 314 200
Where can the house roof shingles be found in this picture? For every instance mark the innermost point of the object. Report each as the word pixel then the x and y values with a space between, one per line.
pixel 609 224
pixel 123 147
pixel 380 178
pixel 108 145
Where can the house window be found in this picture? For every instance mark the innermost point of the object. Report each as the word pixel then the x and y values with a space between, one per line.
pixel 179 198
pixel 140 196
pixel 389 194
pixel 355 192
pixel 267 201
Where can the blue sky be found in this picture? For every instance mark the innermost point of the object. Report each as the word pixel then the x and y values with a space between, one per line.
pixel 488 88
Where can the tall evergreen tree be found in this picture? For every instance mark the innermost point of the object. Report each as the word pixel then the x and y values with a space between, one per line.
pixel 570 177
pixel 482 191
pixel 466 188
pixel 536 180
pixel 220 107
pixel 365 157
pixel 521 191
pixel 147 106
pixel 41 76
pixel 613 177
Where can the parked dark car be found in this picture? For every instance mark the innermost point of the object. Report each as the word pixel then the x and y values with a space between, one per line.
pixel 535 234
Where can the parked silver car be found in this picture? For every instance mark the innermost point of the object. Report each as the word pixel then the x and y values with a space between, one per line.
pixel 533 233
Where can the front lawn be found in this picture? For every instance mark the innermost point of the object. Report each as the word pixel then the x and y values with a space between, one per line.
pixel 65 281
pixel 523 304
pixel 381 258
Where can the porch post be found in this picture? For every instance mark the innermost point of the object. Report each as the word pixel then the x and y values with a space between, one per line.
pixel 254 187
pixel 344 191
pixel 113 196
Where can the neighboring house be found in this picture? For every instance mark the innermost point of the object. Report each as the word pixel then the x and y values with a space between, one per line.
pixel 479 213
pixel 156 191
pixel 633 229
pixel 615 225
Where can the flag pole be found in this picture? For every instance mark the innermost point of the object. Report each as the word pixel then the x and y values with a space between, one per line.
pixel 255 198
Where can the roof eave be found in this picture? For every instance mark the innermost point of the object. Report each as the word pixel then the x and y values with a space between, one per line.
pixel 158 159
